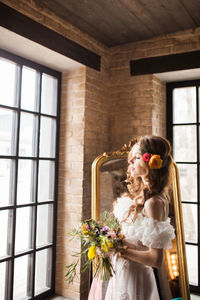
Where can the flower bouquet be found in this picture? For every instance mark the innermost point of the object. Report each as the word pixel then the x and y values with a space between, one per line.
pixel 100 241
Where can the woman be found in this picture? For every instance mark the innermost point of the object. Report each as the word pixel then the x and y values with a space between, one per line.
pixel 143 214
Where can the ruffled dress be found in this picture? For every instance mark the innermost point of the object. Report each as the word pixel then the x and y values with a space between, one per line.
pixel 132 280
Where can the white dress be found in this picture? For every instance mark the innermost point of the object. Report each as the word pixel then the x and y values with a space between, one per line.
pixel 132 280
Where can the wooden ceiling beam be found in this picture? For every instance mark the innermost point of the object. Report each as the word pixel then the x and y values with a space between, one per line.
pixel 28 28
pixel 166 63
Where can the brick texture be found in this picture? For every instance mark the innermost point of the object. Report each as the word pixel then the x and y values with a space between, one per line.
pixel 71 161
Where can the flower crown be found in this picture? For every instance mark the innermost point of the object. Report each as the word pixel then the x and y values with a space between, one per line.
pixel 154 160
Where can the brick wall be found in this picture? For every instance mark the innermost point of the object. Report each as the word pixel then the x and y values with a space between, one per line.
pixel 138 103
pixel 84 134
pixel 131 107
pixel 71 162
pixel 159 107
pixel 100 111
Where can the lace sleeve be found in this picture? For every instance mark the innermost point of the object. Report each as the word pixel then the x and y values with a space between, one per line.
pixel 156 234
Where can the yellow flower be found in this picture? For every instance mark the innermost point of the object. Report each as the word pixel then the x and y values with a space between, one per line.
pixel 105 248
pixel 155 162
pixel 92 252
pixel 106 244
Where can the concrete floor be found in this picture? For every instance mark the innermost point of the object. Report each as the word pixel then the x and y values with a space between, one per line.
pixel 193 297
pixel 57 298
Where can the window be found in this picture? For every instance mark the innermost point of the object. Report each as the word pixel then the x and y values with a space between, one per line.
pixel 29 126
pixel 183 132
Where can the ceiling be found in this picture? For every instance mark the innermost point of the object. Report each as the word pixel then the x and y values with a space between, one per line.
pixel 116 22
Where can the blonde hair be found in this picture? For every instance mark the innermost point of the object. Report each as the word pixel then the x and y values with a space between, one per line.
pixel 156 181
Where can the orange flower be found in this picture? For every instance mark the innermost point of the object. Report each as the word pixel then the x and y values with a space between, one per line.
pixel 121 236
pixel 84 228
pixel 155 162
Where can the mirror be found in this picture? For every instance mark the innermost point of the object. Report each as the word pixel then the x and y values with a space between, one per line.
pixel 108 174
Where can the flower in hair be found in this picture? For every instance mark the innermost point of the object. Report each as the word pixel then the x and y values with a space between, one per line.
pixel 146 156
pixel 155 162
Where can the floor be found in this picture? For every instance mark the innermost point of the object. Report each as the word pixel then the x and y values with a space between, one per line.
pixel 57 298
pixel 193 297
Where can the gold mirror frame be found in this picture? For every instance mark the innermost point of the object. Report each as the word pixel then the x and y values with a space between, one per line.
pixel 95 207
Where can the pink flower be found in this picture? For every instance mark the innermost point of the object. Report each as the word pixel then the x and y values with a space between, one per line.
pixel 112 234
pixel 105 229
pixel 146 156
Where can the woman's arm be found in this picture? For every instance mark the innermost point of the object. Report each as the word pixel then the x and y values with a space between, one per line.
pixel 152 257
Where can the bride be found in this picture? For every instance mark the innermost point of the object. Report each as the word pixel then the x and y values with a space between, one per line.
pixel 143 214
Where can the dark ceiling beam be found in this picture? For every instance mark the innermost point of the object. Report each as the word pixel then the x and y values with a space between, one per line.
pixel 28 28
pixel 166 63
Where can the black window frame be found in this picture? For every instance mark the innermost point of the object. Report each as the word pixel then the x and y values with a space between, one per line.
pixel 20 61
pixel 169 91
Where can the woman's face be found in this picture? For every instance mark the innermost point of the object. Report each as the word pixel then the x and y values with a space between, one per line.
pixel 137 166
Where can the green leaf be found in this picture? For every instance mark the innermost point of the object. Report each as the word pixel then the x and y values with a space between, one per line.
pixel 71 273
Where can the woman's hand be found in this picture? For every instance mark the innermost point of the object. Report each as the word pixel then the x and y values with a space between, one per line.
pixel 122 251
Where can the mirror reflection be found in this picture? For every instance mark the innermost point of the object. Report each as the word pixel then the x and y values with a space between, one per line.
pixel 112 185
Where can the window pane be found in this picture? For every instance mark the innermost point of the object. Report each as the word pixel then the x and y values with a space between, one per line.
pixel 49 95
pixel 190 222
pixel 7 125
pixel 25 187
pixel 28 128
pixel 199 102
pixel 44 224
pixel 46 181
pixel 2 280
pixel 6 181
pixel 27 142
pixel 184 142
pixel 188 186
pixel 30 91
pixel 4 219
pixel 184 105
pixel 192 262
pixel 43 270
pixel 8 72
pixel 21 277
pixel 47 137
pixel 23 228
